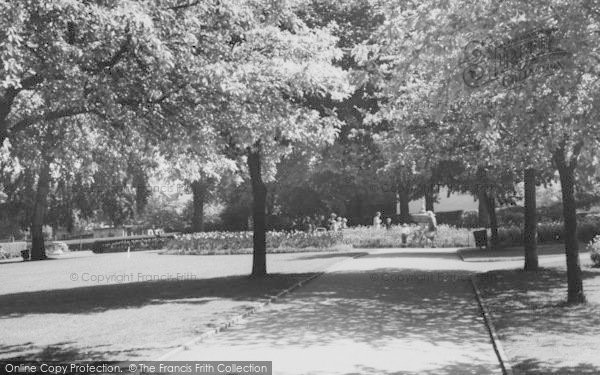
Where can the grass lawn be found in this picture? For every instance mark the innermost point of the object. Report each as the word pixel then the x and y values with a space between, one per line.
pixel 103 306
pixel 539 333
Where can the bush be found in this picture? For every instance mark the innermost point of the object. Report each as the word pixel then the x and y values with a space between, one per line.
pixel 550 213
pixel 367 237
pixel 134 244
pixel 12 249
pixel 594 249
pixel 239 242
pixel 550 231
pixel 453 218
pixel 511 216
pixel 511 235
pixel 588 229
pixel 469 219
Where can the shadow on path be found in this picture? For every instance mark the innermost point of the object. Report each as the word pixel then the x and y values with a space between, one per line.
pixel 359 322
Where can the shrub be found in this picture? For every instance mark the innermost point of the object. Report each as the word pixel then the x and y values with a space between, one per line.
pixel 588 229
pixel 551 213
pixel 511 235
pixel 594 248
pixel 12 249
pixel 134 244
pixel 453 218
pixel 469 219
pixel 235 242
pixel 550 231
pixel 367 237
pixel 511 216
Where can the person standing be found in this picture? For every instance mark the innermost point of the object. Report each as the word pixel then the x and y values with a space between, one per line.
pixel 405 231
pixel 332 223
pixel 431 228
pixel 377 220
pixel 388 223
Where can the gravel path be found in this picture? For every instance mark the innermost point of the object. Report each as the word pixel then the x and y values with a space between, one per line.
pixel 409 311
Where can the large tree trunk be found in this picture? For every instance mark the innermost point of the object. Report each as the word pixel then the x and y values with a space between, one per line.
pixel 530 225
pixel 38 250
pixel 259 198
pixel 567 183
pixel 199 196
pixel 404 205
pixel 491 207
pixel 429 197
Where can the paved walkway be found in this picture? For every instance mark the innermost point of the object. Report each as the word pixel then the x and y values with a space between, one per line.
pixel 396 311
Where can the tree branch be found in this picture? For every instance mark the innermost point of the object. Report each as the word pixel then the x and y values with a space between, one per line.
pixel 52 115
pixel 114 59
pixel 184 5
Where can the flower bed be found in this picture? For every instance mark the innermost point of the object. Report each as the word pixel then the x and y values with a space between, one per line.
pixel 367 237
pixel 241 242
pixel 133 244
pixel 10 250
pixel 360 237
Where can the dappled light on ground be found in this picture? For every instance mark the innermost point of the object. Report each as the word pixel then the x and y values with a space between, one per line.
pixel 540 333
pixel 379 314
pixel 45 315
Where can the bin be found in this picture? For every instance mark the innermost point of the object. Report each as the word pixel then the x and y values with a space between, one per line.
pixel 480 238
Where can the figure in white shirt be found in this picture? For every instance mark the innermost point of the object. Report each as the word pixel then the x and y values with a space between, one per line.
pixel 377 220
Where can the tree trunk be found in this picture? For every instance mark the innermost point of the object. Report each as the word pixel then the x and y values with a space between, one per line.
pixel 404 205
pixel 5 107
pixel 429 198
pixel 199 196
pixel 259 198
pixel 38 250
pixel 359 207
pixel 530 225
pixel 567 183
pixel 491 207
pixel 483 214
pixel 3 135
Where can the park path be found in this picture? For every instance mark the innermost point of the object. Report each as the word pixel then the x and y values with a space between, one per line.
pixel 393 311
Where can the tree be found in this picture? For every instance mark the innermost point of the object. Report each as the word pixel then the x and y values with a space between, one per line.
pixel 263 80
pixel 66 58
pixel 557 111
pixel 88 59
